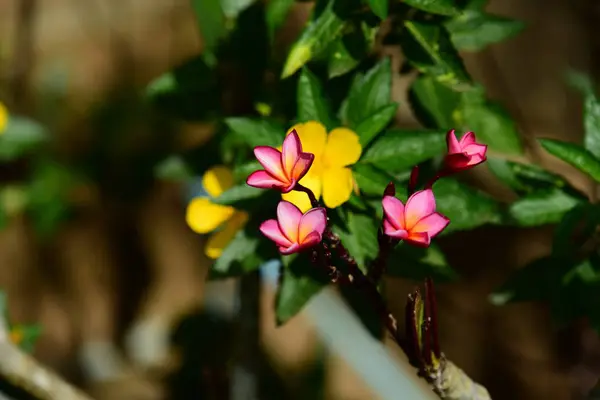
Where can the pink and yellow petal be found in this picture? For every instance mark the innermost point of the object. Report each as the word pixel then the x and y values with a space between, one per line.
pixel 432 224
pixel 262 179
pixel 218 241
pixel 202 216
pixel 217 179
pixel 394 211
pixel 314 220
pixel 313 137
pixel 290 152
pixel 311 240
pixel 337 186
pixel 289 216
pixel 419 205
pixel 271 229
pixel 342 149
pixel 302 166
pixel 270 159
pixel 419 239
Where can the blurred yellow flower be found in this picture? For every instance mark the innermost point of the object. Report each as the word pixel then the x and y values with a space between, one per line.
pixel 330 175
pixel 204 216
pixel 16 336
pixel 3 118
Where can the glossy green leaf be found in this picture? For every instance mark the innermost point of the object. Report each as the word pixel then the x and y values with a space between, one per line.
pixel 428 47
pixel 370 180
pixel 359 236
pixel 301 281
pixel 433 103
pixel 379 7
pixel 491 122
pixel 466 207
pixel 21 137
pixel 475 30
pixel 575 155
pixel 369 94
pixel 419 263
pixel 312 105
pixel 211 21
pixel 275 14
pixel 240 255
pixel 441 7
pixel 316 37
pixel 591 123
pixel 237 194
pixel 541 208
pixel 257 132
pixel 368 129
pixel 173 168
pixel 349 50
pixel 396 150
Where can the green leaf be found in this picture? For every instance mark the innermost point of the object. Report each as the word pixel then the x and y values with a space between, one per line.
pixel 173 168
pixel 242 171
pixel 312 105
pixel 239 256
pixel 211 21
pixel 575 228
pixel 541 208
pixel 591 123
pixel 396 150
pixel 379 7
pixel 275 14
pixel 299 284
pixel 433 103
pixel 441 7
pixel 237 194
pixel 346 52
pixel 359 236
pixel 21 136
pixel 466 207
pixel 232 8
pixel 575 155
pixel 475 30
pixel 419 263
pixel 492 124
pixel 29 334
pixel 257 132
pixel 368 129
pixel 317 37
pixel 369 94
pixel 428 47
pixel 370 180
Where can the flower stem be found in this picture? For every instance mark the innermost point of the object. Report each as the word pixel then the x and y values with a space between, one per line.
pixel 313 200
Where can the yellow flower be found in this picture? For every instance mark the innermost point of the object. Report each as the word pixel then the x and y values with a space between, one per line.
pixel 3 118
pixel 204 216
pixel 329 175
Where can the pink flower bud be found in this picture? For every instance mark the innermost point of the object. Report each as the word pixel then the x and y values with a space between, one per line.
pixel 463 154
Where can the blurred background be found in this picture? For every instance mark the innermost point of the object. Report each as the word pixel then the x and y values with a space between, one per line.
pixel 104 262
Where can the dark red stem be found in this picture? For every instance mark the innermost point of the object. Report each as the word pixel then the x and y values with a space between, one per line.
pixel 311 196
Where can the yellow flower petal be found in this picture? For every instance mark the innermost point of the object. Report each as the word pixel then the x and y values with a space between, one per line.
pixel 3 118
pixel 203 216
pixel 343 148
pixel 219 240
pixel 311 180
pixel 217 179
pixel 337 186
pixel 313 136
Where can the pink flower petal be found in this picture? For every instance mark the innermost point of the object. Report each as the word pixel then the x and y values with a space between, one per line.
pixel 303 164
pixel 391 231
pixel 290 250
pixel 270 159
pixel 394 211
pixel 452 142
pixel 432 224
pixel 262 179
pixel 311 240
pixel 290 151
pixel 289 217
pixel 270 228
pixel 419 205
pixel 467 139
pixel 419 239
pixel 475 148
pixel 475 160
pixel 314 221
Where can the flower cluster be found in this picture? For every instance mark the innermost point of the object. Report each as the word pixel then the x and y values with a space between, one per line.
pixel 415 222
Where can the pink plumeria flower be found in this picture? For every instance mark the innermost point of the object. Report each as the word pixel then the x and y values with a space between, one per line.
pixel 282 169
pixel 417 222
pixel 293 231
pixel 464 153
